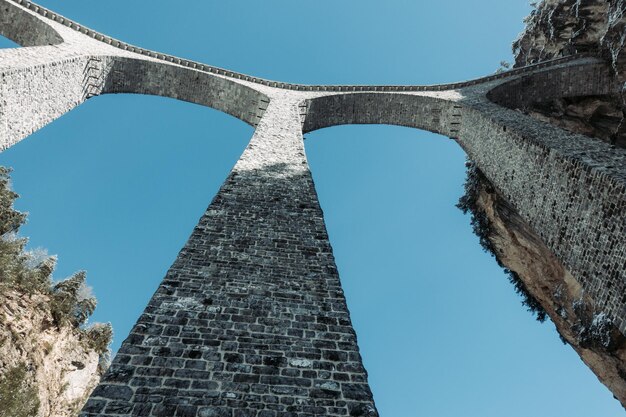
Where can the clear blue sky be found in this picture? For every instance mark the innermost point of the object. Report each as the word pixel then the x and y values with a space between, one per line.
pixel 116 186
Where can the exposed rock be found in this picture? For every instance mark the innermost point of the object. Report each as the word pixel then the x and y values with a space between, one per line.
pixel 601 117
pixel 62 365
pixel 562 27
pixel 600 345
pixel 558 28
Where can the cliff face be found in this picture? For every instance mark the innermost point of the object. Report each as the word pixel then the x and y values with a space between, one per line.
pixel 61 367
pixel 547 287
pixel 558 28
pixel 50 361
pixel 563 27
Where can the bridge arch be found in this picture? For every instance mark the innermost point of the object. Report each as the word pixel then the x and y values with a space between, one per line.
pixel 74 63
pixel 419 111
pixel 152 77
pixel 587 77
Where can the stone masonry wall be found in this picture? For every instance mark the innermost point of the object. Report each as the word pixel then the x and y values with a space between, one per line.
pixel 423 111
pixel 572 81
pixel 14 21
pixel 37 85
pixel 130 75
pixel 569 188
pixel 251 319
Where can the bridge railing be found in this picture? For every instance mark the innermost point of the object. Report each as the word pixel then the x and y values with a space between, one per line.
pixel 46 13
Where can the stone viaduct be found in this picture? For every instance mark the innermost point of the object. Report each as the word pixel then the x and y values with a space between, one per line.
pixel 251 320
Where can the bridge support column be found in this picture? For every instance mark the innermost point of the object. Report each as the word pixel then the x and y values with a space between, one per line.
pixel 250 320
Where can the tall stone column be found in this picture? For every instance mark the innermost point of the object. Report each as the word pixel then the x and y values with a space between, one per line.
pixel 250 320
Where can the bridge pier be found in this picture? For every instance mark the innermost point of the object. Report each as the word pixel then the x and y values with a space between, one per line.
pixel 250 320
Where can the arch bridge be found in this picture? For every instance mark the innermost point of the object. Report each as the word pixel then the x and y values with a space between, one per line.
pixel 253 307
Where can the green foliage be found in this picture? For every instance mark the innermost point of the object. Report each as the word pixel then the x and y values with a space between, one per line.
pixel 15 264
pixel 531 303
pixel 99 336
pixel 17 397
pixel 10 219
pixel 71 302
pixel 504 66
pixel 468 203
pixel 15 269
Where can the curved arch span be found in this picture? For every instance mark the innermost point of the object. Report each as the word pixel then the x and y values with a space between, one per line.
pixel 410 110
pixel 152 77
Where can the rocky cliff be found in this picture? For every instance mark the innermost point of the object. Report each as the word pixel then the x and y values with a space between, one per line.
pixel 58 365
pixel 49 359
pixel 562 27
pixel 558 28
pixel 547 288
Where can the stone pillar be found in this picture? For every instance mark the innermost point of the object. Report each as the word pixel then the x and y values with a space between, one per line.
pixel 251 319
